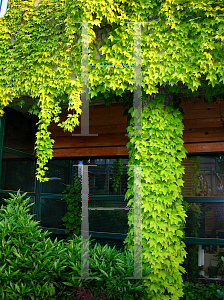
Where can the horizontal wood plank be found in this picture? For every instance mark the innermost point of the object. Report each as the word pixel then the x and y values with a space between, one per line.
pixel 198 103
pixel 202 123
pixel 116 128
pixel 123 151
pixel 203 134
pixel 203 113
pixel 204 147
pixel 102 119
pixel 100 110
pixel 99 121
pixel 105 129
pixel 91 141
pixel 88 152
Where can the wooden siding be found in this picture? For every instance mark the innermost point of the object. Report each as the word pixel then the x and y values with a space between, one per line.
pixel 203 130
pixel 107 122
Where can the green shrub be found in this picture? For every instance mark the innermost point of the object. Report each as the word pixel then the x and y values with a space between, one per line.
pixel 30 264
pixel 34 267
pixel 109 266
pixel 196 291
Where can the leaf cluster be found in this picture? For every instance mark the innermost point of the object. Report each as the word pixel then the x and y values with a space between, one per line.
pixel 73 216
pixel 117 172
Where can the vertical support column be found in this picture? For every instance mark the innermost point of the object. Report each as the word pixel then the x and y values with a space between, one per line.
pixel 85 225
pixel 85 84
pixel 137 224
pixel 85 81
pixel 137 131
pixel 214 182
pixel 137 273
pixel 137 103
pixel 200 256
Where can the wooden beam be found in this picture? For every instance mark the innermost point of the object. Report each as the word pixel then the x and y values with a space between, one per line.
pixel 123 151
pixel 202 123
pixel 87 152
pixel 203 134
pixel 203 113
pixel 204 147
pixel 195 103
pixel 100 129
pixel 91 141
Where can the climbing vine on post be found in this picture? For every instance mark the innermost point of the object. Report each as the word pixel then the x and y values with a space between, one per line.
pixel 117 172
pixel 73 216
pixel 163 215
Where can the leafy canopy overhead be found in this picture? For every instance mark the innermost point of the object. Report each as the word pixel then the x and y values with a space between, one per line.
pixel 40 53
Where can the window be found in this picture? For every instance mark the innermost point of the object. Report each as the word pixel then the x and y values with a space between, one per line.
pixel 18 160
pixel 203 190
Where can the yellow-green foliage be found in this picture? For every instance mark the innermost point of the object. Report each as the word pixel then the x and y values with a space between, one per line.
pixel 40 53
pixel 40 57
pixel 159 151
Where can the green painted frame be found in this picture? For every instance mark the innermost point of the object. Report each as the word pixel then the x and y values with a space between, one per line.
pixel 204 199
pixel 16 152
pixel 204 241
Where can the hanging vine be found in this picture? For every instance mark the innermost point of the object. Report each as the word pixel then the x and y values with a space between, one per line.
pixel 160 154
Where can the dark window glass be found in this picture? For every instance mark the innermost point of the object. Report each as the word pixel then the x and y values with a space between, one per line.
pixel 52 212
pixel 107 201
pixel 2 197
pixel 19 131
pixel 32 200
pixel 204 176
pixel 101 177
pixel 101 191
pixel 208 260
pixel 108 221
pixel 205 220
pixel 17 173
pixel 58 174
